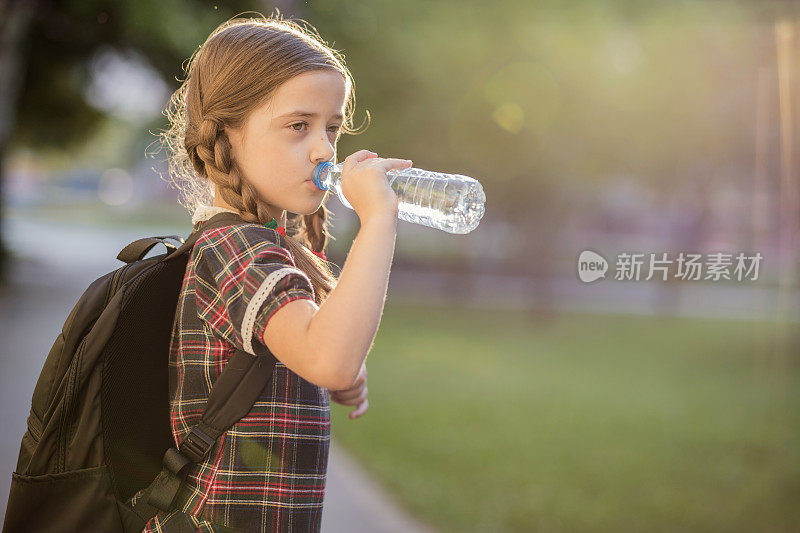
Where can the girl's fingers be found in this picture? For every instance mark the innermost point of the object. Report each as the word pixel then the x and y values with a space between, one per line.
pixel 390 163
pixel 358 157
pixel 352 399
pixel 348 395
pixel 361 155
pixel 360 410
pixel 356 387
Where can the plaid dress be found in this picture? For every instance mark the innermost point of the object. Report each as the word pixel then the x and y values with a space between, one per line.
pixel 267 472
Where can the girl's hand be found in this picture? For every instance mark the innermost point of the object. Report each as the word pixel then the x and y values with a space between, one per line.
pixel 355 395
pixel 365 184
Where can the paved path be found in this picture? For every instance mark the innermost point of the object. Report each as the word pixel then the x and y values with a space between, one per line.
pixel 53 265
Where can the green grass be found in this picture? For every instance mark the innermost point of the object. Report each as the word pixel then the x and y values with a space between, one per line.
pixel 494 421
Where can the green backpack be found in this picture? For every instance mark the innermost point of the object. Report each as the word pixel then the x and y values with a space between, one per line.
pixel 99 428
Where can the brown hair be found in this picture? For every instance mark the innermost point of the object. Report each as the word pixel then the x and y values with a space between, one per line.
pixel 240 66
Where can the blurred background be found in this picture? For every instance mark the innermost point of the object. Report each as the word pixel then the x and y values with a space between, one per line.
pixel 505 393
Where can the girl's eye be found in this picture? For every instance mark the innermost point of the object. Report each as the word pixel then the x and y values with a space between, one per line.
pixel 335 128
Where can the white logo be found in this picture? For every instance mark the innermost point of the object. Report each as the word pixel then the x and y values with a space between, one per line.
pixel 688 266
pixel 591 266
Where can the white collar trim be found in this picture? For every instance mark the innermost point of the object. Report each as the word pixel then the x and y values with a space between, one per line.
pixel 204 212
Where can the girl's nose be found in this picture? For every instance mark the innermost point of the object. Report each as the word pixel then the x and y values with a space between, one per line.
pixel 323 152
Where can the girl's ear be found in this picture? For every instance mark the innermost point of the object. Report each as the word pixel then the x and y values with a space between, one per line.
pixel 230 130
pixel 234 137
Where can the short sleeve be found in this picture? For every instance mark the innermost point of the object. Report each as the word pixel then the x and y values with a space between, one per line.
pixel 242 277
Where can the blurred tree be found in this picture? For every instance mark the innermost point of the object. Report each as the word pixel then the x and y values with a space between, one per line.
pixel 15 18
pixel 46 45
pixel 545 103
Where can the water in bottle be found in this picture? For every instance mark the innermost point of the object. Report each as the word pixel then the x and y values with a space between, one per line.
pixel 450 202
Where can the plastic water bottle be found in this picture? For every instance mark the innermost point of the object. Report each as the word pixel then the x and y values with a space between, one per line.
pixel 450 202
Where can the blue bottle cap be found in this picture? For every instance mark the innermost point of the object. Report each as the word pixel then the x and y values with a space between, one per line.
pixel 318 171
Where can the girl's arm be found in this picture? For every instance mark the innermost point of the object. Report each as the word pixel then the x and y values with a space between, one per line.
pixel 326 345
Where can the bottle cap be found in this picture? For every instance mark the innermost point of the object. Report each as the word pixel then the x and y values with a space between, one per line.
pixel 318 172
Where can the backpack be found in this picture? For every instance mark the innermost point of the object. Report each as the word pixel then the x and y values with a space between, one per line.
pixel 99 426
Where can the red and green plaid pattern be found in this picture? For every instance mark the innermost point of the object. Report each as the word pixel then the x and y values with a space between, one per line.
pixel 267 472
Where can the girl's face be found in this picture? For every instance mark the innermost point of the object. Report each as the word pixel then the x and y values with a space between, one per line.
pixel 278 147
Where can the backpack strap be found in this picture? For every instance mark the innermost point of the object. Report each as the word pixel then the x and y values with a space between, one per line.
pixel 138 249
pixel 232 396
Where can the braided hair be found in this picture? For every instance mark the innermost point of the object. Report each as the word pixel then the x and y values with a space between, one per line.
pixel 239 66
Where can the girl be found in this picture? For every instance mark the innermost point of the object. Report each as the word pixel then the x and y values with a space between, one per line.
pixel 262 104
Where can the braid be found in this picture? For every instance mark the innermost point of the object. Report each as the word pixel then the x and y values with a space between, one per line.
pixel 212 158
pixel 214 152
pixel 239 66
pixel 315 229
